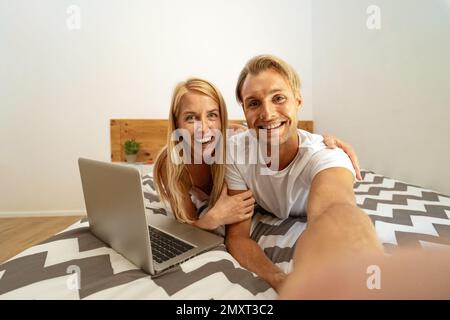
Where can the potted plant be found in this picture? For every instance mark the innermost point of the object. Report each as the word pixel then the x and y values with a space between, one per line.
pixel 131 148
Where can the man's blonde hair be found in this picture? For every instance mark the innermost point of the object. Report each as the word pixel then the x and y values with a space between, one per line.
pixel 265 62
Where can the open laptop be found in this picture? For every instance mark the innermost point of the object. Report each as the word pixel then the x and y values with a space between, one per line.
pixel 116 213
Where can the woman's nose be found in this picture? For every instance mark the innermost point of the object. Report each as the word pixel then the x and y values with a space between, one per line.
pixel 205 125
pixel 202 126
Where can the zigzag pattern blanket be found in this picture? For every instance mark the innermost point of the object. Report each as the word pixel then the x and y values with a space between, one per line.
pixel 403 215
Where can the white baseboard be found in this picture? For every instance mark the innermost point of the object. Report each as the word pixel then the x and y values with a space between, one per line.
pixel 54 213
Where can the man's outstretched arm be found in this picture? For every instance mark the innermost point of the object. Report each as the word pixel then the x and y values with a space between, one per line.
pixel 249 254
pixel 337 228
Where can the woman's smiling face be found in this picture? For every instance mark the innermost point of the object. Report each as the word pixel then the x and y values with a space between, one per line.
pixel 200 115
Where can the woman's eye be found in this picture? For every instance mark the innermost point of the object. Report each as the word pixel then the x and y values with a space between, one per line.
pixel 213 115
pixel 190 118
pixel 252 104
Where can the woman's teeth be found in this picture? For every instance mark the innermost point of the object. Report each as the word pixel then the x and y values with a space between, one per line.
pixel 204 140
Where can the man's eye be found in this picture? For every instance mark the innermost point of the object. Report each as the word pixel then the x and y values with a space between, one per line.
pixel 280 99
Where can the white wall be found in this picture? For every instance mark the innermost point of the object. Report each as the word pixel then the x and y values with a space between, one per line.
pixel 59 88
pixel 386 91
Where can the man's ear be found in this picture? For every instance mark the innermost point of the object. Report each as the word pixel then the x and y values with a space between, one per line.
pixel 299 101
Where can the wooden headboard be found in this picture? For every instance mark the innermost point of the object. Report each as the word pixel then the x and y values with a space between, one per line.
pixel 152 135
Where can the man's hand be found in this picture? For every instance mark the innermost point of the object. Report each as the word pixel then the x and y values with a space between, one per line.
pixel 332 142
pixel 403 275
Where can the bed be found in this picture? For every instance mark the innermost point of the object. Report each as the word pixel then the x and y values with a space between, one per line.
pixel 74 264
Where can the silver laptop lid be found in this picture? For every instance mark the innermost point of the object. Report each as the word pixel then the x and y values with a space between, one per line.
pixel 115 209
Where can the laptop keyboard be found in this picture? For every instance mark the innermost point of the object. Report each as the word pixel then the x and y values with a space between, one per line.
pixel 165 247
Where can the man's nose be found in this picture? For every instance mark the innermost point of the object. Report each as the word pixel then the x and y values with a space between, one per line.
pixel 267 111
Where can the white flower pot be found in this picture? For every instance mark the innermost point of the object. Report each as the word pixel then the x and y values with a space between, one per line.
pixel 131 158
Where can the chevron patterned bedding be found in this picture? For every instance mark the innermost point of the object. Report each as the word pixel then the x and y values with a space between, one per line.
pixel 74 264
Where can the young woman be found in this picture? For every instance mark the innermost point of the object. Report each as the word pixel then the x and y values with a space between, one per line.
pixel 197 193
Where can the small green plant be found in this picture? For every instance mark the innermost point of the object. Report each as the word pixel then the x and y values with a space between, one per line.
pixel 131 146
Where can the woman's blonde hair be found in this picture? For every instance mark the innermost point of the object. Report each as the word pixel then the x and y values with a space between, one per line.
pixel 265 62
pixel 172 180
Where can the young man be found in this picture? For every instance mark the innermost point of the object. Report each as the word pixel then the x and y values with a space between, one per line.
pixel 309 179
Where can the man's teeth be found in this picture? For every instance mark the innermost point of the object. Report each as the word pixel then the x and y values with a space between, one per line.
pixel 272 126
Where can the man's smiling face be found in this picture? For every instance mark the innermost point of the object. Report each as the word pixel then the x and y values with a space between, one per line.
pixel 270 104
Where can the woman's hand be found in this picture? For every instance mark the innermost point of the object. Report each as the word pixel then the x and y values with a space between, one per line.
pixel 333 142
pixel 231 209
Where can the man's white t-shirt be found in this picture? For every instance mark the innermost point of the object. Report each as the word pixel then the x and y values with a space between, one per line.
pixel 284 193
